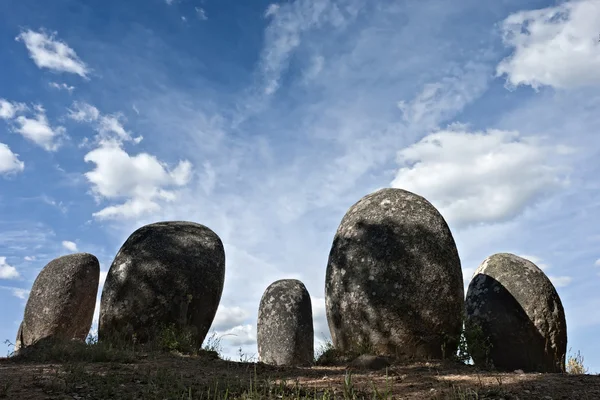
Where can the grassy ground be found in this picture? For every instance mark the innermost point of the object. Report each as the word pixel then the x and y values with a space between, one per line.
pixel 98 371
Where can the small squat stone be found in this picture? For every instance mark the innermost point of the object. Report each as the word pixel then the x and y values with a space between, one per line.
pixel 285 332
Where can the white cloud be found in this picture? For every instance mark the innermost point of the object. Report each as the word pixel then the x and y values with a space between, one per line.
pixel 8 110
pixel 9 161
pixel 83 112
pixel 201 13
pixel 480 177
pixel 49 52
pixel 62 86
pixel 556 46
pixel 38 130
pixel 597 263
pixel 271 10
pixel 29 258
pixel 141 179
pixel 7 271
pixel 229 317
pixel 71 246
pixel 239 335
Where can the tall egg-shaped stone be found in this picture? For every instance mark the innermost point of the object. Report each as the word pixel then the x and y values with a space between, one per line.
pixel 165 274
pixel 285 333
pixel 514 317
pixel 394 281
pixel 62 300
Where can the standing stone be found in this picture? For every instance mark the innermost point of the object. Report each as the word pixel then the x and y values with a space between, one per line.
pixel 518 315
pixel 62 300
pixel 285 326
pixel 393 281
pixel 166 274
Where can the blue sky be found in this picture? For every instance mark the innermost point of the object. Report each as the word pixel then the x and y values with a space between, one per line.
pixel 267 121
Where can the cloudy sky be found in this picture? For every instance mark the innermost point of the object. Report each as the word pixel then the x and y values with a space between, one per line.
pixel 267 121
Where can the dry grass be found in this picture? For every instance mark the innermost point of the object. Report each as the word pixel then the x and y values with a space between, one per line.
pixel 99 371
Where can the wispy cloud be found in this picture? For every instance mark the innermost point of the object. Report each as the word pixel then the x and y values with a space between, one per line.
pixel 7 271
pixel 17 292
pixel 61 86
pixel 201 13
pixel 555 46
pixel 48 52
pixel 560 281
pixel 109 127
pixel 271 10
pixel 439 100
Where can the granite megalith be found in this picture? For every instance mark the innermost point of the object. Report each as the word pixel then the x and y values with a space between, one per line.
pixel 62 301
pixel 517 316
pixel 166 275
pixel 394 282
pixel 285 332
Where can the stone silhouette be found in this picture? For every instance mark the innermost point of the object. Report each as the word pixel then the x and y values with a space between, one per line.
pixel 166 275
pixel 62 300
pixel 285 326
pixel 394 282
pixel 518 316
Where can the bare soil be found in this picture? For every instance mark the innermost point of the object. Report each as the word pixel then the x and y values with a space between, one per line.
pixel 172 376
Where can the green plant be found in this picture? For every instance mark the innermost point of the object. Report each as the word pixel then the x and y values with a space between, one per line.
pixel 213 343
pixel 4 388
pixel 173 338
pixel 243 357
pixel 475 345
pixel 324 348
pixel 348 388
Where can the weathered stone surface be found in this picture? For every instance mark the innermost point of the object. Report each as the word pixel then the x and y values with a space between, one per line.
pixel 514 305
pixel 62 300
pixel 285 333
pixel 19 339
pixel 165 274
pixel 393 281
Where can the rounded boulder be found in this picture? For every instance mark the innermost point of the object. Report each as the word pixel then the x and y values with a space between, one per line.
pixel 394 282
pixel 285 333
pixel 166 275
pixel 514 317
pixel 62 300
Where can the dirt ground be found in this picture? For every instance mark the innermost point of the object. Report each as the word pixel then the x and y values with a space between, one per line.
pixel 170 376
